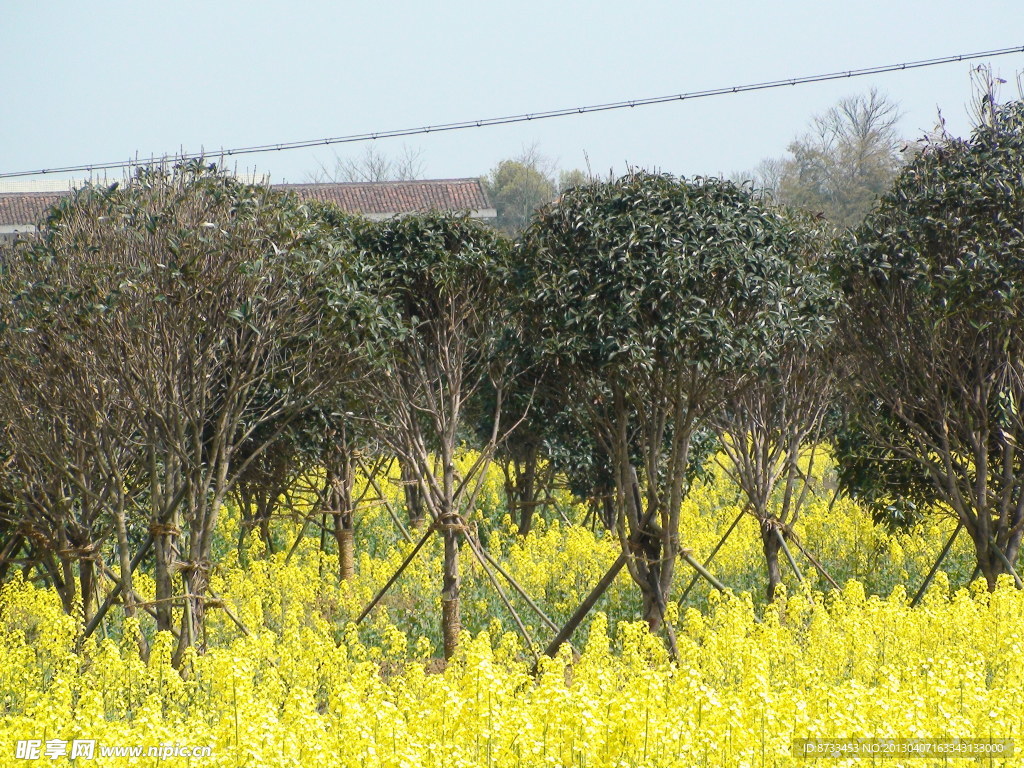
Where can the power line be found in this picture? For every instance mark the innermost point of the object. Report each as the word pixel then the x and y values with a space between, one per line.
pixel 530 116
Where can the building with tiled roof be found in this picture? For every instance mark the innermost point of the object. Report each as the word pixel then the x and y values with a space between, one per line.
pixel 386 199
pixel 21 211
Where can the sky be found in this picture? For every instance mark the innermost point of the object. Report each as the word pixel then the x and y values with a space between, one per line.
pixel 105 80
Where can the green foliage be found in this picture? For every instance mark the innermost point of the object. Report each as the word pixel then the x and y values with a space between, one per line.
pixel 646 295
pixel 949 232
pixel 843 164
pixel 433 272
pixel 441 281
pixel 574 178
pixel 650 271
pixel 517 188
pixel 157 337
pixel 897 492
pixel 935 324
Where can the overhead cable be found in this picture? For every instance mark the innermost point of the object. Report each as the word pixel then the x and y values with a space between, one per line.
pixel 525 117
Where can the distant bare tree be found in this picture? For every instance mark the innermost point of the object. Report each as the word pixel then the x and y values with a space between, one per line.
pixel 372 165
pixel 839 168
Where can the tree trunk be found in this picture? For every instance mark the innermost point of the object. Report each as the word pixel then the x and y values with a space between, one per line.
pixel 256 502
pixel 344 534
pixel 645 542
pixel 607 506
pixel 989 562
pixel 245 502
pixel 264 523
pixel 508 470
pixel 526 491
pixel 124 559
pixel 770 543
pixel 413 498
pixel 451 624
pixel 525 518
pixel 63 581
pixel 651 611
pixel 340 478
pixel 9 553
pixel 196 581
pixel 653 600
pixel 87 574
pixel 163 548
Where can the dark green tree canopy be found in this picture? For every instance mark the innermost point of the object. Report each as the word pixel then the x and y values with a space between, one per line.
pixel 422 262
pixel 649 270
pixel 647 295
pixel 950 232
pixel 441 280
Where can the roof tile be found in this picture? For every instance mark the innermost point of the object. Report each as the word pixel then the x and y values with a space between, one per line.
pixel 397 197
pixel 377 199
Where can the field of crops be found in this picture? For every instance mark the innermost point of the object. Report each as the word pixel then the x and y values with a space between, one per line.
pixel 291 681
pixel 282 486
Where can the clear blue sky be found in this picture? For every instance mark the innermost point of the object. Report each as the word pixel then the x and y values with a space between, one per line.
pixel 96 81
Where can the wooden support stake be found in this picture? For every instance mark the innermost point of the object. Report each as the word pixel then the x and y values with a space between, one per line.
pixel 714 552
pixel 702 571
pixel 102 610
pixel 518 588
pixel 606 581
pixel 588 603
pixel 140 601
pixel 936 565
pixel 504 598
pixel 298 539
pixel 814 561
pixel 408 559
pixel 12 546
pixel 372 480
pixel 789 556
pixel 670 632
pixel 230 613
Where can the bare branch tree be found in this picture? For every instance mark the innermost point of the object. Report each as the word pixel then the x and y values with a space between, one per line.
pixel 372 165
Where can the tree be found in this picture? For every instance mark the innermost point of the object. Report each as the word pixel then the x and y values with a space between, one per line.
pixel 520 185
pixel 843 164
pixel 373 165
pixel 199 310
pixel 778 410
pixel 442 280
pixel 520 455
pixel 574 178
pixel 649 294
pixel 934 322
pixel 517 187
pixel 70 461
